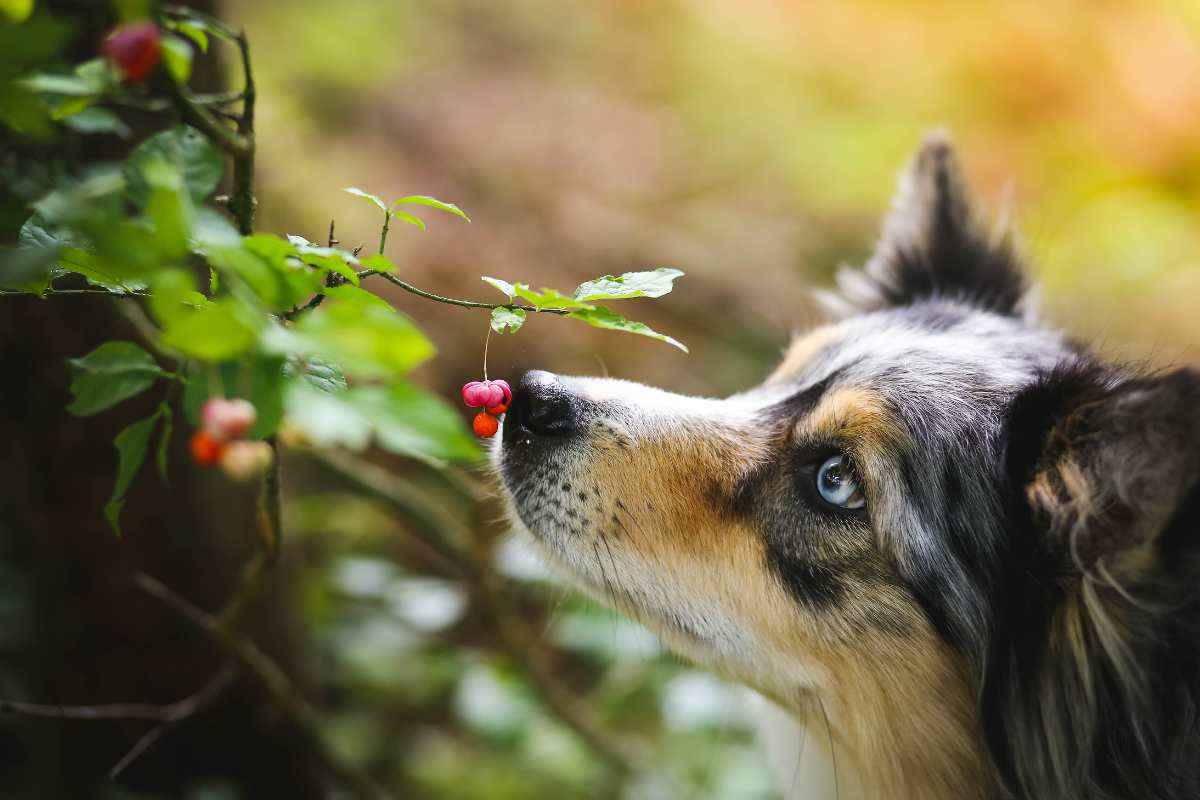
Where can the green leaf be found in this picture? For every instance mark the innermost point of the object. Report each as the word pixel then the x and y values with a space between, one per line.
pixel 374 199
pixel 211 228
pixel 404 216
pixel 99 73
pixel 97 120
pixel 16 10
pixel 378 262
pixel 266 393
pixel 34 233
pixel 96 270
pixel 69 257
pixel 601 317
pixel 64 111
pixel 654 283
pixel 186 19
pixel 549 298
pixel 168 208
pixel 402 418
pixel 358 331
pixel 412 422
pixel 504 286
pixel 326 419
pixel 433 202
pixel 195 391
pixel 29 269
pixel 267 278
pixel 132 444
pixel 132 9
pixel 164 441
pixel 177 58
pixel 218 331
pixel 200 163
pixel 97 194
pixel 507 320
pixel 23 111
pixel 173 295
pixel 192 31
pixel 71 85
pixel 113 372
pixel 319 373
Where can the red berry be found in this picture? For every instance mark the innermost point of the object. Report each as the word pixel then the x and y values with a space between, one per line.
pixel 485 425
pixel 134 49
pixel 496 411
pixel 228 419
pixel 206 450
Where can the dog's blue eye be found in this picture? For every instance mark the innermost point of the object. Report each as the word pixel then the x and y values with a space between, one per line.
pixel 837 484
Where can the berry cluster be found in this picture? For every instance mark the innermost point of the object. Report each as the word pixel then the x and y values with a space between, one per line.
pixel 221 439
pixel 134 50
pixel 493 397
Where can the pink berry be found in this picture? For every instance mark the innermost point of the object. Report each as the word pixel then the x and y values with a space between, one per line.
pixel 226 420
pixel 474 394
pixel 244 461
pixel 486 394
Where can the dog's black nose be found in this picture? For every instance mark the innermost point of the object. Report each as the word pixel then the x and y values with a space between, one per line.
pixel 541 405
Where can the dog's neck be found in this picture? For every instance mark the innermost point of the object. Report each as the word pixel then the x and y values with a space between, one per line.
pixel 817 755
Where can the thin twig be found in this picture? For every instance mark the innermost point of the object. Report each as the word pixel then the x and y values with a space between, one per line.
pixel 155 104
pixel 200 117
pixel 168 712
pixel 279 688
pixel 408 287
pixel 57 292
pixel 270 503
pixel 387 221
pixel 182 710
pixel 243 203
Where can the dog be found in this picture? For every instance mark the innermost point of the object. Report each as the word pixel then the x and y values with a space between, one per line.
pixel 953 545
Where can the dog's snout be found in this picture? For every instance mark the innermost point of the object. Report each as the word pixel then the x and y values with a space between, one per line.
pixel 543 406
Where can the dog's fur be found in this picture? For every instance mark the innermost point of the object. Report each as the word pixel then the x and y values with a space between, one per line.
pixel 1016 612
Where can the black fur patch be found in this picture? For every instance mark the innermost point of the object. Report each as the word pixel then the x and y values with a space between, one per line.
pixel 1139 734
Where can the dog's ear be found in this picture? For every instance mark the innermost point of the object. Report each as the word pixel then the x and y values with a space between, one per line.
pixel 1102 558
pixel 932 246
pixel 1102 460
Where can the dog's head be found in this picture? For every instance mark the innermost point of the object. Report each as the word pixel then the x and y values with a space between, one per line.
pixel 861 528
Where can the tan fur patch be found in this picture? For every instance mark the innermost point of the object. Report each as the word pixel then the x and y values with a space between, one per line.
pixel 858 416
pixel 801 351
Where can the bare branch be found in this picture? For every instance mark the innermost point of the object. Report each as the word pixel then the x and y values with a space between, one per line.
pixel 279 688
pixel 408 287
pixel 170 712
